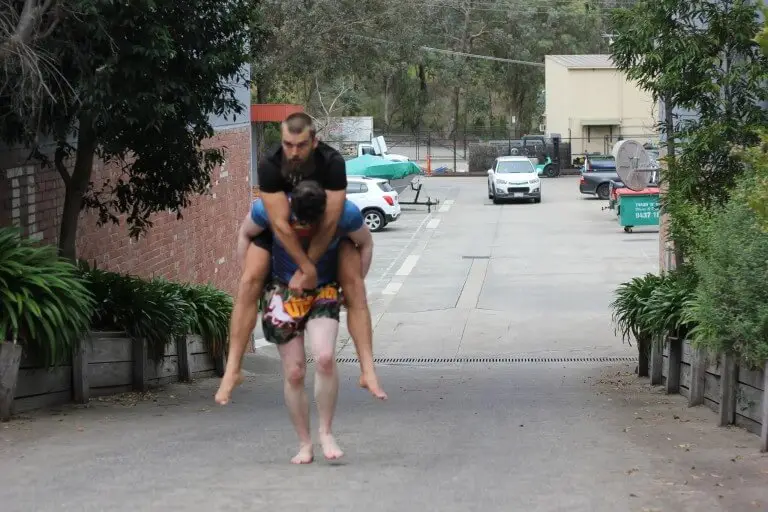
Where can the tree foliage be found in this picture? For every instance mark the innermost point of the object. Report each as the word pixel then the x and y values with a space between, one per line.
pixel 372 56
pixel 143 78
pixel 698 56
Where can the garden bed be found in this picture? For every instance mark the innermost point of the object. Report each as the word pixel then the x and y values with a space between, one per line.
pixel 738 397
pixel 110 363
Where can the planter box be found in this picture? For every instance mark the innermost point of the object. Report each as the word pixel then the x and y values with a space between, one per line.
pixel 10 360
pixel 736 393
pixel 108 363
pixel 37 386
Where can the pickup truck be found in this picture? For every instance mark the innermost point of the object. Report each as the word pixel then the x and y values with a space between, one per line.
pixel 378 147
pixel 596 175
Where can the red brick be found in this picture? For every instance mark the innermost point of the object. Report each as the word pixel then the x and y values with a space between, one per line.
pixel 183 250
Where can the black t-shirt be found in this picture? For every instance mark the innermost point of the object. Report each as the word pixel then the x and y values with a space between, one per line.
pixel 330 170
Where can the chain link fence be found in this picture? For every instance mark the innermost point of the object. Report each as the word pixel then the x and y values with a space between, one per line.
pixel 475 151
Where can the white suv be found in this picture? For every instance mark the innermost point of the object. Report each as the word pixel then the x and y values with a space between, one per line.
pixel 376 199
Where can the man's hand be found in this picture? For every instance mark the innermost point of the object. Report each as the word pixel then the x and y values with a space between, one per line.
pixel 302 281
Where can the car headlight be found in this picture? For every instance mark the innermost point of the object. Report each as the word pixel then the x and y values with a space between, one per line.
pixel 501 182
pixel 534 182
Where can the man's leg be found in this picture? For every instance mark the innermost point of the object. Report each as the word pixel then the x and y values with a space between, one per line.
pixel 322 332
pixel 287 333
pixel 294 369
pixel 244 315
pixel 358 315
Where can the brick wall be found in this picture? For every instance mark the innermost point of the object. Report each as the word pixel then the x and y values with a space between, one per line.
pixel 199 248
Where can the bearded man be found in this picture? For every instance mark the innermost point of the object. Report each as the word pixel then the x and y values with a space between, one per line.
pixel 300 156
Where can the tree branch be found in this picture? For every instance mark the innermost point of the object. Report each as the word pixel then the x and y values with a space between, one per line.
pixel 29 21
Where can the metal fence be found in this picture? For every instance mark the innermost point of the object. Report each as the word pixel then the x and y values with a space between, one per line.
pixel 455 150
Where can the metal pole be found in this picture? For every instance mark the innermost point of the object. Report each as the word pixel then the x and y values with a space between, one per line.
pixel 454 150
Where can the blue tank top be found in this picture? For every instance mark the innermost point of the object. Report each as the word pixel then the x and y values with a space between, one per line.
pixel 283 267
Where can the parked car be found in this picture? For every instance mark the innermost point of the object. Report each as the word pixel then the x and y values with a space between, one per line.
pixel 513 177
pixel 596 175
pixel 377 200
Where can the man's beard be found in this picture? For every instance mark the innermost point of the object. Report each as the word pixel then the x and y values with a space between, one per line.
pixel 297 171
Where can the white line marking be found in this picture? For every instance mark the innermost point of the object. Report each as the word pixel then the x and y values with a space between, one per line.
pixel 405 248
pixel 446 206
pixel 408 265
pixel 392 289
pixel 433 224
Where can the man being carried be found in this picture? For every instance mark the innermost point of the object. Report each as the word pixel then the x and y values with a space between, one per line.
pixel 301 156
pixel 287 315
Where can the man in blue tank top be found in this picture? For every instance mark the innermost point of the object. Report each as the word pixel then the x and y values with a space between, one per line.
pixel 286 314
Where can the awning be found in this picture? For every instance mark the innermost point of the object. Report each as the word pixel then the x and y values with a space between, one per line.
pixel 600 122
pixel 273 112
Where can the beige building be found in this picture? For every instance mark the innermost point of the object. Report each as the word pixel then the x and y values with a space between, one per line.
pixel 592 104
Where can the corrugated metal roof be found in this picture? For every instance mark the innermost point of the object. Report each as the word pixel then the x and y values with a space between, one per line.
pixel 596 61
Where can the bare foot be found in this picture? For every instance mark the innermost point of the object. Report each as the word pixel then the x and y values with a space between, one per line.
pixel 371 383
pixel 228 383
pixel 305 455
pixel 331 450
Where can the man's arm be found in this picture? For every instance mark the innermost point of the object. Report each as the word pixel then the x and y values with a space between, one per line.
pixel 336 193
pixel 364 241
pixel 279 214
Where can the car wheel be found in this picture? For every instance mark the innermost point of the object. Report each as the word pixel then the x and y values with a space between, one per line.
pixel 550 171
pixel 537 200
pixel 374 220
pixel 496 200
pixel 603 192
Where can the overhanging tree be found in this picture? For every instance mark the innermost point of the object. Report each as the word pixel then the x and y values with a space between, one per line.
pixel 699 56
pixel 143 79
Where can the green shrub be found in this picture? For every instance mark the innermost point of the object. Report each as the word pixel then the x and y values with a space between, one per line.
pixel 629 306
pixel 44 304
pixel 153 310
pixel 159 310
pixel 730 306
pixel 208 315
pixel 663 313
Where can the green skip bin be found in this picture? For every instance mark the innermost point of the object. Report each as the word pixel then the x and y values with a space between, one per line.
pixel 638 208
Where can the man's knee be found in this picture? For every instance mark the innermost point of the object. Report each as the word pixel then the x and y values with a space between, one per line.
pixel 295 373
pixel 326 362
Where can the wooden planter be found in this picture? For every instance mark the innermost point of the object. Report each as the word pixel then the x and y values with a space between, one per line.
pixel 735 393
pixel 10 359
pixel 107 363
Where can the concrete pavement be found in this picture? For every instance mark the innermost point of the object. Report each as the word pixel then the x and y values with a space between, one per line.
pixel 471 280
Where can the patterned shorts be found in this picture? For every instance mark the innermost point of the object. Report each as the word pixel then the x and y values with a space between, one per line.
pixel 285 314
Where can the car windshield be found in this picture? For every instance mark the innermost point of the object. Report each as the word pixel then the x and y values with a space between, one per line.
pixel 514 167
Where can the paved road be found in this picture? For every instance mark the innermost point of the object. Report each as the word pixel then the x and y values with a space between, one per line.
pixel 469 280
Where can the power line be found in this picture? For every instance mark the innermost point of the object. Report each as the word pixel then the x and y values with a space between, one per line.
pixel 461 54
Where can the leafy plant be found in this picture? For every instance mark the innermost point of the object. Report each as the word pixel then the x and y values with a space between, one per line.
pixel 662 314
pixel 44 304
pixel 730 305
pixel 631 299
pixel 628 307
pixel 208 315
pixel 153 310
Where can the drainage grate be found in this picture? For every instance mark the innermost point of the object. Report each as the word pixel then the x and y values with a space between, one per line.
pixel 475 257
pixel 495 360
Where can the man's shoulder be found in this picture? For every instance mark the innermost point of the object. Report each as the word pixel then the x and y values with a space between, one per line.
pixel 327 152
pixel 273 155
